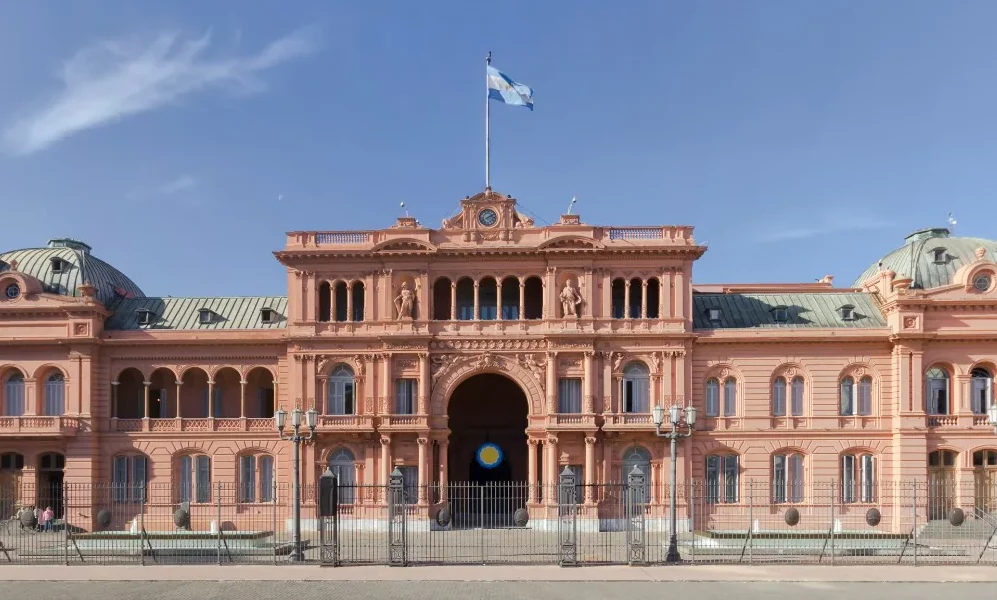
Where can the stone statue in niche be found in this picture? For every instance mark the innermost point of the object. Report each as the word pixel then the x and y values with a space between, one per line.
pixel 405 302
pixel 570 300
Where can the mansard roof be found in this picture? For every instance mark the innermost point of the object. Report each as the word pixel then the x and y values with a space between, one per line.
pixel 185 313
pixel 804 310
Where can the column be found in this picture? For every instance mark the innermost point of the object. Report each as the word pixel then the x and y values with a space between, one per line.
pixel 522 298
pixel 323 406
pixel 453 300
pixel 531 447
pixel 145 398
pixel 423 463
pixel 643 299
pixel 211 399
pixel 276 396
pixel 667 364
pixel 552 468
pixel 386 389
pixel 498 299
pixel 349 302
pixel 680 295
pixel 588 384
pixel 179 387
pixel 477 305
pixel 423 384
pixel 444 468
pixel 607 383
pixel 680 389
pixel 332 301
pixel 589 468
pixel 665 295
pixel 551 383
pixel 242 398
pixel 114 399
pixel 626 298
pixel 385 460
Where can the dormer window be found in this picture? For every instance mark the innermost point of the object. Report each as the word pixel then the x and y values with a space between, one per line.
pixel 3 266
pixel 144 316
pixel 847 312
pixel 58 265
pixel 266 315
pixel 780 314
pixel 939 255
pixel 714 315
pixel 205 316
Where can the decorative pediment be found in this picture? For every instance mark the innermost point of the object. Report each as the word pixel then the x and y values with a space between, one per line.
pixel 570 242
pixel 403 245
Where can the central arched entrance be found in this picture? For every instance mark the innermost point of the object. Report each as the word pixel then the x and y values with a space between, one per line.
pixel 487 453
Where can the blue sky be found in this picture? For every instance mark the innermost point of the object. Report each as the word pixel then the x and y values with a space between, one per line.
pixel 182 139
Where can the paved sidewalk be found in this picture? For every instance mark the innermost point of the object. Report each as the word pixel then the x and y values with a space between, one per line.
pixel 728 573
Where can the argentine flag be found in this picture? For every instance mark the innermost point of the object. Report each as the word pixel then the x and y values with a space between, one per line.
pixel 504 89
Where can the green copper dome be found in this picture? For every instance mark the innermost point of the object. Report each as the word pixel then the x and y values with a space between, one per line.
pixel 931 257
pixel 66 264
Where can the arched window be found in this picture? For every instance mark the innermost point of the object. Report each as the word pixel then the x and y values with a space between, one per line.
pixel 640 458
pixel 865 396
pixel 936 394
pixel 465 299
pixel 847 396
pixel 796 400
pixel 636 388
pixel 55 395
pixel 128 478
pixel 342 464
pixel 341 391
pixel 13 395
pixel 324 302
pixel 618 293
pixel 712 398
pixel 858 477
pixel 340 293
pixel 787 477
pixel 856 400
pixel 636 298
pixel 487 299
pixel 730 397
pixel 982 390
pixel 779 397
pixel 194 478
pixel 256 478
pixel 510 299
pixel 721 478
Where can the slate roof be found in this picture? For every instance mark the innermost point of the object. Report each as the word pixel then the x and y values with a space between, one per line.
pixel 916 258
pixel 805 310
pixel 78 265
pixel 184 313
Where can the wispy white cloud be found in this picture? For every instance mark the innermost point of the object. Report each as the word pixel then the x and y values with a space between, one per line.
pixel 180 184
pixel 819 227
pixel 112 80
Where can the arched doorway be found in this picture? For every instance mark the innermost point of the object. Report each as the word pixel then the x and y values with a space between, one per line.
pixel 487 455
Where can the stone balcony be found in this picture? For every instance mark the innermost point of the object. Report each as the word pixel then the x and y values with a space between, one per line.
pixel 570 422
pixel 963 421
pixel 628 422
pixel 37 426
pixel 332 423
pixel 193 425
pixel 402 423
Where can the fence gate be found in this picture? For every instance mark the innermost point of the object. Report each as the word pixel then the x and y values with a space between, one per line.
pixel 328 506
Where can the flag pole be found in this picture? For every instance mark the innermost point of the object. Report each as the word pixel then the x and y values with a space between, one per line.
pixel 488 140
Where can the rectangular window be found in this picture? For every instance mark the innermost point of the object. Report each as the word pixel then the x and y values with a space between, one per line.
pixel 868 478
pixel 569 396
pixel 982 393
pixel 858 478
pixel 721 478
pixel 405 396
pixel 186 476
pixel 119 478
pixel 938 397
pixel 13 405
pixel 55 397
pixel 203 479
pixel 340 396
pixel 247 479
pixel 410 484
pixel 779 478
pixel 266 479
pixel 795 478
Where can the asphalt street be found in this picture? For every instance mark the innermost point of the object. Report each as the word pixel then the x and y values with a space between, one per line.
pixel 427 590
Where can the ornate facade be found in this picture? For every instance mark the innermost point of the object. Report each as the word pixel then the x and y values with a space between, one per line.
pixel 417 346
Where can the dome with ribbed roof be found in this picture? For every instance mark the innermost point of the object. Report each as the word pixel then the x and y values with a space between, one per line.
pixel 931 257
pixel 64 265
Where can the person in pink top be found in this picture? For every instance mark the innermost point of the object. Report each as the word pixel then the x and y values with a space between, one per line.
pixel 45 522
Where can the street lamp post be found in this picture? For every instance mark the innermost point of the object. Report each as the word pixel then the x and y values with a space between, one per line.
pixel 675 417
pixel 311 420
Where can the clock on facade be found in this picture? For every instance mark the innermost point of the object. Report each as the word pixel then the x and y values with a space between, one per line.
pixel 487 217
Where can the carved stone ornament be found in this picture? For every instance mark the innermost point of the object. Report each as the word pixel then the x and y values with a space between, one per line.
pixel 437 364
pixel 533 365
pixel 910 322
pixel 484 361
pixel 725 373
pixel 617 362
pixel 791 372
pixel 404 363
pixel 571 363
pixel 488 345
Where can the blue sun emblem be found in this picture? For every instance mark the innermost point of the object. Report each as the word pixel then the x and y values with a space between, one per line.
pixel 489 455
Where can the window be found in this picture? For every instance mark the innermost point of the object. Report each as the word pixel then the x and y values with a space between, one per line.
pixel 342 465
pixel 982 391
pixel 730 397
pixel 618 294
pixel 487 299
pixel 55 395
pixel 128 478
pixel 266 315
pixel 11 461
pixel 13 396
pixel 847 312
pixel 856 401
pixel 847 394
pixel 405 396
pixel 636 388
pixel 57 266
pixel 205 316
pixel 721 478
pixel 341 391
pixel 569 396
pixel 143 316
pixel 637 457
pixel 780 314
pixel 714 316
pixel 938 255
pixel 982 283
pixel 12 291
pixel 410 484
pixel 195 478
pixel 787 478
pixel 941 458
pixel 712 398
pixel 255 484
pixel 865 396
pixel 779 397
pixel 985 458
pixel 796 396
pixel 52 462
pixel 937 392
pixel 858 478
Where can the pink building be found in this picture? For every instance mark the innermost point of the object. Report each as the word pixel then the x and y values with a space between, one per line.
pixel 417 346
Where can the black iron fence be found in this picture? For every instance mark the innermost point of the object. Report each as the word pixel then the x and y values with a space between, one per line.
pixel 750 522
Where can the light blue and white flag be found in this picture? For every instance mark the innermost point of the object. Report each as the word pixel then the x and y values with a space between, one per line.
pixel 504 89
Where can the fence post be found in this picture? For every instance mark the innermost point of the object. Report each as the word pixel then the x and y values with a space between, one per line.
pixel 65 520
pixel 691 495
pixel 914 510
pixel 273 502
pixel 141 529
pixel 218 540
pixel 833 497
pixel 397 546
pixel 566 518
pixel 634 515
pixel 751 521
